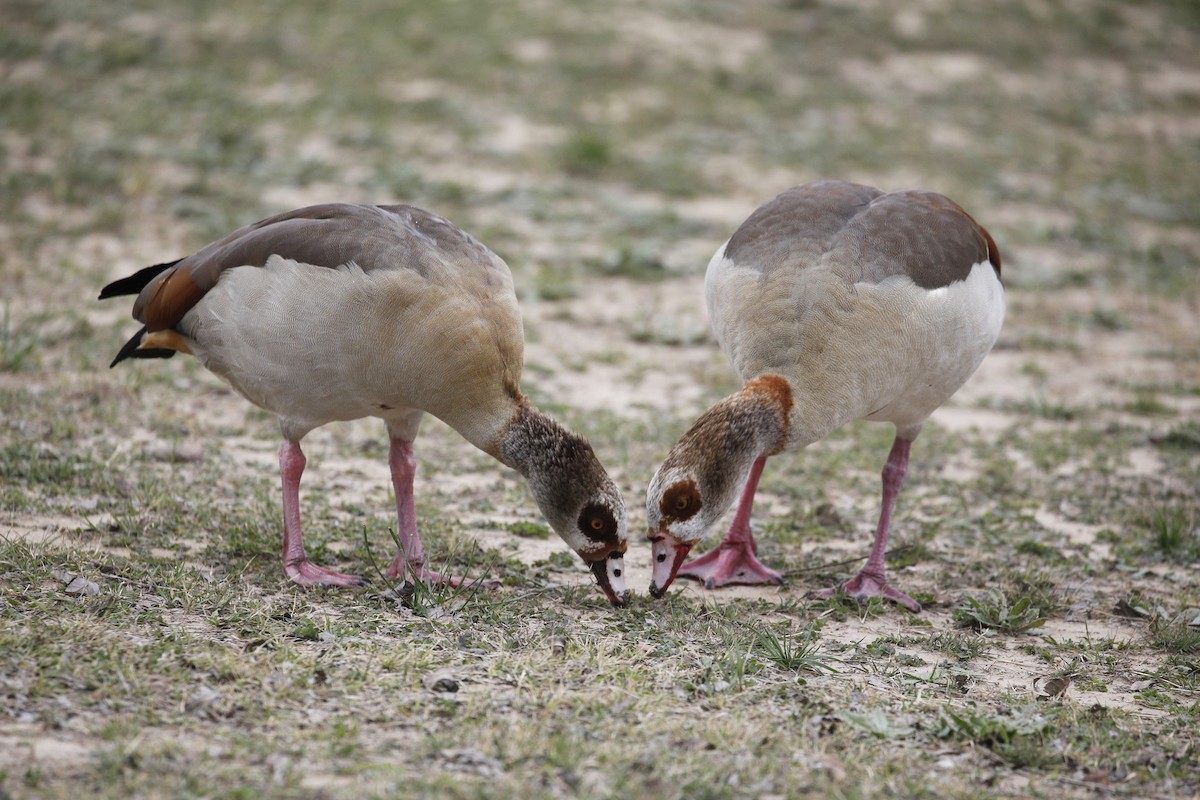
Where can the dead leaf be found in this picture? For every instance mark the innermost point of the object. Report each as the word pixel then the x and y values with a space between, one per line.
pixel 1052 686
pixel 201 699
pixel 1126 609
pixel 469 759
pixel 441 680
pixel 876 722
pixel 185 453
pixel 1105 777
pixel 280 764
pixel 827 516
pixel 79 585
pixel 401 592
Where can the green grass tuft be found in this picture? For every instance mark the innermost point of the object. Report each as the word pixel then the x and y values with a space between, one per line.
pixel 797 654
pixel 1000 611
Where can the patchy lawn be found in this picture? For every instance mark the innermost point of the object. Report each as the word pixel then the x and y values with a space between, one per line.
pixel 149 643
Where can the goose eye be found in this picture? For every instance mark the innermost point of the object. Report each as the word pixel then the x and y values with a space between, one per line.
pixel 681 501
pixel 597 523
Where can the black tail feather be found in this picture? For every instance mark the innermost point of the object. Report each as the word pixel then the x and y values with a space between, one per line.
pixel 130 350
pixel 135 282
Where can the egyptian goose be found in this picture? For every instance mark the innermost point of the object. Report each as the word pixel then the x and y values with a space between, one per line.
pixel 337 312
pixel 834 302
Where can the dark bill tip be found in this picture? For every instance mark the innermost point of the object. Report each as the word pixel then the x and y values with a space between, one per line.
pixel 669 555
pixel 609 576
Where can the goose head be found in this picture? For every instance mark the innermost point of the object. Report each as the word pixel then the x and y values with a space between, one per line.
pixel 703 473
pixel 574 493
pixel 596 531
pixel 684 500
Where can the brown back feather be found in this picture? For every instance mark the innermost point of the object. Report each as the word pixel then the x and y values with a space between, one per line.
pixel 873 235
pixel 329 235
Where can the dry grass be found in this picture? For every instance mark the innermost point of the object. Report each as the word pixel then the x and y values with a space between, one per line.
pixel 605 150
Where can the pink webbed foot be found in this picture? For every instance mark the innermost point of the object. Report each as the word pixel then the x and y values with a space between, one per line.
pixel 730 563
pixel 306 573
pixel 733 561
pixel 870 580
pixel 866 585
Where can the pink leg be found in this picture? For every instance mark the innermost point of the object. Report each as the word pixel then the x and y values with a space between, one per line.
pixel 403 465
pixel 410 557
pixel 734 560
pixel 871 580
pixel 295 561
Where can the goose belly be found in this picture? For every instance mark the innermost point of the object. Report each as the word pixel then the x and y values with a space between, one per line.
pixel 943 336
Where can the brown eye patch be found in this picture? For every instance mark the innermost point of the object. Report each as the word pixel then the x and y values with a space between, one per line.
pixel 681 501
pixel 598 524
